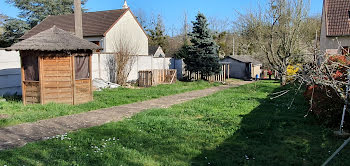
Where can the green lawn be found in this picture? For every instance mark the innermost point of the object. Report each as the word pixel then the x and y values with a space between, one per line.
pixel 238 126
pixel 18 113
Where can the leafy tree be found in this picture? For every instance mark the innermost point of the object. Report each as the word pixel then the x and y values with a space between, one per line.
pixel 2 20
pixel 13 29
pixel 157 35
pixel 34 11
pixel 203 53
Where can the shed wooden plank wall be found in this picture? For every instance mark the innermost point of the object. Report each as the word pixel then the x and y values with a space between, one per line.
pixel 32 92
pixel 82 91
pixel 56 78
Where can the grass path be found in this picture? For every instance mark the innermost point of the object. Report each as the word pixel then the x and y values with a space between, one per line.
pixel 17 113
pixel 238 126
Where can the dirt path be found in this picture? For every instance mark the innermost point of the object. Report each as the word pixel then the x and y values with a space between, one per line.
pixel 19 135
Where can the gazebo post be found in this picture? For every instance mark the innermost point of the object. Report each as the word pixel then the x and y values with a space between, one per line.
pixel 73 78
pixel 23 85
pixel 41 81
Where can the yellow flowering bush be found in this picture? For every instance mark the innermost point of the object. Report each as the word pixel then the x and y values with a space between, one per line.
pixel 292 70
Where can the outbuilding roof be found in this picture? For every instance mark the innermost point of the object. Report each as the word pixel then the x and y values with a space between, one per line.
pixel 152 49
pixel 337 17
pixel 94 23
pixel 54 39
pixel 245 59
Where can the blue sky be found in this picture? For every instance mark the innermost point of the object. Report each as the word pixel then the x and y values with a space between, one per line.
pixel 173 10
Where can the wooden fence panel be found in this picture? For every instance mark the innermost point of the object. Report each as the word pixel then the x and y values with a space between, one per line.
pixel 221 77
pixel 148 78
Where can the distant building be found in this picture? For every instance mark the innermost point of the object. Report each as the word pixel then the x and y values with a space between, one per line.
pixel 243 66
pixel 156 51
pixel 335 30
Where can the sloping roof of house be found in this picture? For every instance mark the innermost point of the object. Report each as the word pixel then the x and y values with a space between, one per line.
pixel 94 23
pixel 245 59
pixel 54 39
pixel 152 50
pixel 337 17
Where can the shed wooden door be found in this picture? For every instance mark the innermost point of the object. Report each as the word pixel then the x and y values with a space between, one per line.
pixel 56 80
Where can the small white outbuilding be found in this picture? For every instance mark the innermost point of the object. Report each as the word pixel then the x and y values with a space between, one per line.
pixel 243 66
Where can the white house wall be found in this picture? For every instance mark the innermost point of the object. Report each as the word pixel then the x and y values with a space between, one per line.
pixel 10 73
pixel 127 30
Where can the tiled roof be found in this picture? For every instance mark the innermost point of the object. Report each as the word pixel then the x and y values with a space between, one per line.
pixel 94 23
pixel 337 17
pixel 152 50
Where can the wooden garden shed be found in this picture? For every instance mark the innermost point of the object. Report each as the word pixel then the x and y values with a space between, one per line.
pixel 56 67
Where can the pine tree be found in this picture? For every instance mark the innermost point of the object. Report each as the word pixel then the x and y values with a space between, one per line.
pixel 157 35
pixel 203 53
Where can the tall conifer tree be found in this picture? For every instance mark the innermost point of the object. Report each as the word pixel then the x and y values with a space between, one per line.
pixel 203 53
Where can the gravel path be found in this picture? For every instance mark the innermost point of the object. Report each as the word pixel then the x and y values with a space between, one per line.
pixel 19 135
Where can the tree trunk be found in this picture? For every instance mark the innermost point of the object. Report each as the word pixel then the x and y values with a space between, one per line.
pixel 283 79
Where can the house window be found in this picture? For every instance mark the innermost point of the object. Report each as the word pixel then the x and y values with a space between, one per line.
pixel 349 14
pixel 97 43
pixel 345 50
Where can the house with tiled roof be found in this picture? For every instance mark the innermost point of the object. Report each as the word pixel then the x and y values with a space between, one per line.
pixel 104 28
pixel 335 30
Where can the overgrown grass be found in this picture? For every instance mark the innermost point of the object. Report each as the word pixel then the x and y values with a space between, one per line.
pixel 18 113
pixel 238 126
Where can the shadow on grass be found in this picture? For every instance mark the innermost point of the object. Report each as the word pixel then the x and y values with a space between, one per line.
pixel 273 135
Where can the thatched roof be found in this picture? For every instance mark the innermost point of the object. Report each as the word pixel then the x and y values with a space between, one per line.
pixel 54 39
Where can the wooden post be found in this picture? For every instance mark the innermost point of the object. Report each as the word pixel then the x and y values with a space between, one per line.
pixel 90 77
pixel 72 59
pixel 41 81
pixel 228 71
pixel 23 84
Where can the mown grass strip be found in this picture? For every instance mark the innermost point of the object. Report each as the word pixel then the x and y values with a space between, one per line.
pixel 17 113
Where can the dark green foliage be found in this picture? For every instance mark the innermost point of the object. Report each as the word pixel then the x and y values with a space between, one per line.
pixel 34 11
pixel 203 53
pixel 182 53
pixel 12 30
pixel 157 35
